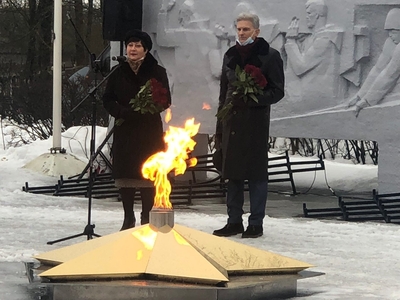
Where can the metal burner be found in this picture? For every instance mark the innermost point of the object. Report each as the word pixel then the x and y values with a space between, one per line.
pixel 160 217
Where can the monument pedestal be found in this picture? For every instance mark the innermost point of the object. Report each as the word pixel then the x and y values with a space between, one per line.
pixel 239 287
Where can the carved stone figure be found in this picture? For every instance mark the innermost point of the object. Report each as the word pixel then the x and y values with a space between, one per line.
pixel 185 45
pixel 385 74
pixel 313 60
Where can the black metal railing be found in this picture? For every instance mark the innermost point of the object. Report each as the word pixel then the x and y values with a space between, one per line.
pixel 209 185
pixel 380 207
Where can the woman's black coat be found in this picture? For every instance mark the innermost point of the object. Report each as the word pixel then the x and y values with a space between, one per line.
pixel 245 132
pixel 140 135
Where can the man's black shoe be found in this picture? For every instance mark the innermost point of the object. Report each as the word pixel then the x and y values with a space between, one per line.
pixel 253 231
pixel 229 229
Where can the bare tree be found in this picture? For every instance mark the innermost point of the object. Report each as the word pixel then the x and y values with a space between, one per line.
pixel 45 17
pixel 31 49
pixel 89 23
pixel 79 46
pixel 26 58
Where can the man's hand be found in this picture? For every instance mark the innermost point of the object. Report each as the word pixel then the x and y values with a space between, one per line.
pixel 359 106
pixel 238 101
pixel 353 101
pixel 220 32
pixel 167 7
pixel 293 29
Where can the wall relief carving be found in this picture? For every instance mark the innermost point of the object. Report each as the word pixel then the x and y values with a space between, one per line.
pixel 384 76
pixel 332 59
pixel 341 64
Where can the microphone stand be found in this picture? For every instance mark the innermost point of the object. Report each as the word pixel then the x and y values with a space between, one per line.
pixel 91 55
pixel 89 228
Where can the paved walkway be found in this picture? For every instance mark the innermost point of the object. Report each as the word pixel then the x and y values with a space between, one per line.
pixel 279 205
pixel 14 284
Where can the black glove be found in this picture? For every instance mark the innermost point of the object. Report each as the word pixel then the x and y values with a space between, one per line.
pixel 126 113
pixel 238 101
pixel 217 141
pixel 217 159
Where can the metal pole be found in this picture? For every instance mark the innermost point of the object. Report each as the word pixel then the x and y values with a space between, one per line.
pixel 57 72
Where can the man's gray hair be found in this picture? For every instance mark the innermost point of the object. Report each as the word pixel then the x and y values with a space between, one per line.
pixel 320 7
pixel 245 16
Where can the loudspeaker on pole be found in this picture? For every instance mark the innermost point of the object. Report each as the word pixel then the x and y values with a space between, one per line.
pixel 121 16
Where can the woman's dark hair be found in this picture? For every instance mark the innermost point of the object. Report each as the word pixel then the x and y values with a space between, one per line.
pixel 139 36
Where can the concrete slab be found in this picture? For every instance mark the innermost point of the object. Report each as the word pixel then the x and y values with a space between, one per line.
pixel 56 164
pixel 14 284
pixel 256 287
pixel 260 288
pixel 17 285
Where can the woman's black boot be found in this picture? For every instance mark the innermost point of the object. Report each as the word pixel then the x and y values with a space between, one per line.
pixel 127 197
pixel 147 195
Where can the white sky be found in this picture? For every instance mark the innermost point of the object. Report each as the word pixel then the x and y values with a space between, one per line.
pixel 360 260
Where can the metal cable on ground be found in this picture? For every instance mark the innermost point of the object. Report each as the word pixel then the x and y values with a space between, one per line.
pixel 326 182
pixel 84 149
pixel 312 183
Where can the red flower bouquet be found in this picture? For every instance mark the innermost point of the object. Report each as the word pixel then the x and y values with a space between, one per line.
pixel 249 83
pixel 152 98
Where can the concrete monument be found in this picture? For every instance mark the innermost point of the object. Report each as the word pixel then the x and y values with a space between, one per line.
pixel 341 64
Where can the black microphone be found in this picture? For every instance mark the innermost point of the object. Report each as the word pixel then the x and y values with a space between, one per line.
pixel 120 59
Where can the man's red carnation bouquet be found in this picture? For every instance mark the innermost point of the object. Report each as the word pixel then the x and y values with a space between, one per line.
pixel 249 83
pixel 152 98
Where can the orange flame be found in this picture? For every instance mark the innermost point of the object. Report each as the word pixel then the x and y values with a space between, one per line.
pixel 206 106
pixel 168 115
pixel 159 165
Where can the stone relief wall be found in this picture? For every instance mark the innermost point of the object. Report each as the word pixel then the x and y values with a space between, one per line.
pixel 333 50
pixel 342 65
pixel 381 82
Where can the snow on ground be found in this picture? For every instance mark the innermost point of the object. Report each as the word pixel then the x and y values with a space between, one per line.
pixel 360 260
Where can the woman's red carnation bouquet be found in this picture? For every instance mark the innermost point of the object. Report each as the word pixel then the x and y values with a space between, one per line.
pixel 152 98
pixel 249 83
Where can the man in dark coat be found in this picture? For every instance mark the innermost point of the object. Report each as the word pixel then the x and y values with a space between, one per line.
pixel 137 134
pixel 243 134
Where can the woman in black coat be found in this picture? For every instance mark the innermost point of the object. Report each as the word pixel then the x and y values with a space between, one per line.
pixel 137 134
